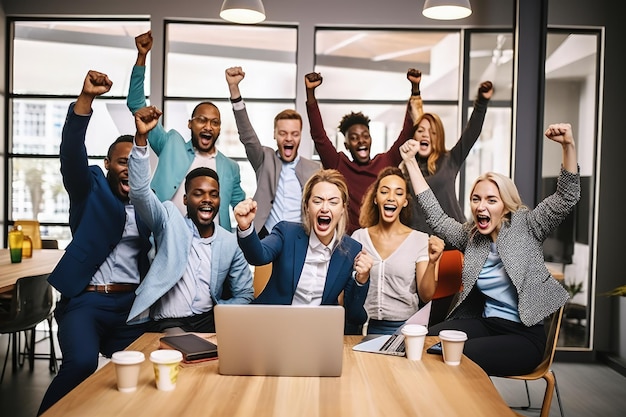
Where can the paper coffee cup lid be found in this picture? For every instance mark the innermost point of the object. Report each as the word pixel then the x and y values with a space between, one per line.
pixel 414 330
pixel 127 357
pixel 166 356
pixel 455 335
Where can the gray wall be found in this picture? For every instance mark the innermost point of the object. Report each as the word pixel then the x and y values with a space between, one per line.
pixel 407 13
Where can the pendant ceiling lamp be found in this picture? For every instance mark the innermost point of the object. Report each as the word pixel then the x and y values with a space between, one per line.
pixel 243 11
pixel 447 9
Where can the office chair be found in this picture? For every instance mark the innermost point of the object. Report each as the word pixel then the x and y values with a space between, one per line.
pixel 543 370
pixel 448 285
pixel 31 304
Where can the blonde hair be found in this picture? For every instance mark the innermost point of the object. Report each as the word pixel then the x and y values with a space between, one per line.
pixel 370 215
pixel 437 140
pixel 508 194
pixel 331 176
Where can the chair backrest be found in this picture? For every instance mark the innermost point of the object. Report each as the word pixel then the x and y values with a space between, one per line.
pixel 32 303
pixel 30 229
pixel 449 275
pixel 552 328
pixel 262 274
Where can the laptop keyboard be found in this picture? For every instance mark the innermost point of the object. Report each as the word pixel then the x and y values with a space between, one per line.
pixel 393 346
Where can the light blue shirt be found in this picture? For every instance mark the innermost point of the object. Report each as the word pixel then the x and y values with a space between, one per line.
pixel 192 293
pixel 496 286
pixel 288 198
pixel 120 267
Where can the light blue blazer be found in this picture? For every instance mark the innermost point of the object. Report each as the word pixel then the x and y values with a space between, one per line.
pixel 286 248
pixel 176 155
pixel 173 242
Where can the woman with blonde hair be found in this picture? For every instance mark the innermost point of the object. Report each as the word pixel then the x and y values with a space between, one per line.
pixel 507 289
pixel 315 261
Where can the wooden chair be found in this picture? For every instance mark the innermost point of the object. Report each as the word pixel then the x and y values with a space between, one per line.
pixel 30 229
pixel 262 274
pixel 544 369
pixel 448 285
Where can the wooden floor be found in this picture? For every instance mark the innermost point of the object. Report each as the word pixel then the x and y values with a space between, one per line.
pixel 586 389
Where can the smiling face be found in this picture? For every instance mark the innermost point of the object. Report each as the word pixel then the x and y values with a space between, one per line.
pixel 324 209
pixel 391 198
pixel 117 169
pixel 202 199
pixel 358 142
pixel 288 133
pixel 425 135
pixel 205 125
pixel 488 209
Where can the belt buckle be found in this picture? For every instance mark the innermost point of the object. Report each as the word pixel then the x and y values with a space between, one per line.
pixel 106 288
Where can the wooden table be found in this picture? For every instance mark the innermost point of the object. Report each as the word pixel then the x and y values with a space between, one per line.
pixel 371 385
pixel 42 262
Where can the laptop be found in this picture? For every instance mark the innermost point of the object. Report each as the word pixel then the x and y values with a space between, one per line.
pixel 393 344
pixel 279 340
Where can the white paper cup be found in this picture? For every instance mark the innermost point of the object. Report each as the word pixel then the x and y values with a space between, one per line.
pixel 452 343
pixel 414 335
pixel 127 366
pixel 166 363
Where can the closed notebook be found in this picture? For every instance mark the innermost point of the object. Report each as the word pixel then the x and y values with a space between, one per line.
pixel 193 347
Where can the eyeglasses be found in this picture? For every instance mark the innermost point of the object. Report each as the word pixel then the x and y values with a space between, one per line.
pixel 203 120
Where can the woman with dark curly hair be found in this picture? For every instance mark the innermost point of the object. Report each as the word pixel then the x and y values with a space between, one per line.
pixel 405 261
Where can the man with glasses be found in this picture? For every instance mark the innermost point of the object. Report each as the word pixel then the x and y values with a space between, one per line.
pixel 176 156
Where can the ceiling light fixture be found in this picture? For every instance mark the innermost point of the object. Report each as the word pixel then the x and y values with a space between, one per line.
pixel 243 11
pixel 447 9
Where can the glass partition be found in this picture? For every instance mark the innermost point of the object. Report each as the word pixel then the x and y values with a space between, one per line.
pixel 572 94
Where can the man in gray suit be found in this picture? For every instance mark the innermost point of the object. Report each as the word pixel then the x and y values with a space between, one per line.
pixel 282 173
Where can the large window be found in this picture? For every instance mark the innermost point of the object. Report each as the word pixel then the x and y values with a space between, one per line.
pixel 50 59
pixel 196 60
pixel 376 61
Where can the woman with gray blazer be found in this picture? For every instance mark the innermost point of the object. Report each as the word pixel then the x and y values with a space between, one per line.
pixel 507 289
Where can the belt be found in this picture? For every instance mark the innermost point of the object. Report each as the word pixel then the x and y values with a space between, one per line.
pixel 111 288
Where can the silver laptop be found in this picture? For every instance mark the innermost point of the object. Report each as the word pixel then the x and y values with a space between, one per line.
pixel 279 340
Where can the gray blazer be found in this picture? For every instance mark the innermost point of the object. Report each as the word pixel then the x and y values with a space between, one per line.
pixel 267 166
pixel 520 245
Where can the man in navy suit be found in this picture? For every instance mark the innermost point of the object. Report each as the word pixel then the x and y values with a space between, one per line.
pixel 107 257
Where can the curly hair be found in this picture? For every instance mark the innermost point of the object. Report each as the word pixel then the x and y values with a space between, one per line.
pixel 353 119
pixel 370 215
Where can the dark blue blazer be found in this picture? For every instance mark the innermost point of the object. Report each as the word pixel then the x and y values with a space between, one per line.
pixel 97 216
pixel 286 248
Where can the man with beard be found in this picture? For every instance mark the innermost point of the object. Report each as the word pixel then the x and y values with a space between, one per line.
pixel 176 156
pixel 282 173
pixel 197 262
pixel 362 170
pixel 107 257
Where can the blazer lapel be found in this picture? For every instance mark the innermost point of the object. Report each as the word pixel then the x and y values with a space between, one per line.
pixel 334 285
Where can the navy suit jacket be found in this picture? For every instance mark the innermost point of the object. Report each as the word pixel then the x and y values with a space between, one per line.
pixel 286 248
pixel 97 216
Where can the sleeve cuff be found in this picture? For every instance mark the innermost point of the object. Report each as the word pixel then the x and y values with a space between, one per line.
pixel 245 233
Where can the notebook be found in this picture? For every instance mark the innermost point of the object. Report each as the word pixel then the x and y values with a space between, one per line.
pixel 392 344
pixel 279 340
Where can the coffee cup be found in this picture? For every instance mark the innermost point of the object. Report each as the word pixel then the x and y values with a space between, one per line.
pixel 166 363
pixel 414 335
pixel 452 343
pixel 127 366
